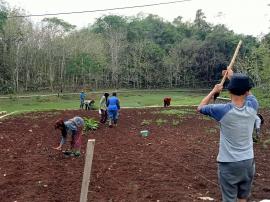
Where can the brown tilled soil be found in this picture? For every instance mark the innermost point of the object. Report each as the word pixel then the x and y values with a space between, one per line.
pixel 176 162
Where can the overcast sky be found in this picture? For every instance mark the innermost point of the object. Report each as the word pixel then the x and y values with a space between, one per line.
pixel 251 17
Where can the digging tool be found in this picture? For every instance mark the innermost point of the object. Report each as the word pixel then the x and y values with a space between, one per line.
pixel 229 67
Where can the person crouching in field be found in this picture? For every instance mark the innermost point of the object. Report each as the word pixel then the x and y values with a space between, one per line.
pixel 73 127
pixel 103 108
pixel 167 101
pixel 113 105
pixel 236 166
pixel 89 104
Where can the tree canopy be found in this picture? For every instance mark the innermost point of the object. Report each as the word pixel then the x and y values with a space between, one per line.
pixel 123 52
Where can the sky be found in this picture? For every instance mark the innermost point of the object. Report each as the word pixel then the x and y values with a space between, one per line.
pixel 249 17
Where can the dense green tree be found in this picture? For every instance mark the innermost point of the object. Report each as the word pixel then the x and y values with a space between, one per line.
pixel 262 58
pixel 114 30
pixel 201 27
pixel 142 51
pixel 3 14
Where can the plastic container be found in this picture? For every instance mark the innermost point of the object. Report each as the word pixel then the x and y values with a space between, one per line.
pixel 144 133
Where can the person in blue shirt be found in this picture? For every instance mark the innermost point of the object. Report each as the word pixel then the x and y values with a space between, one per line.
pixel 113 106
pixel 236 166
pixel 73 127
pixel 82 98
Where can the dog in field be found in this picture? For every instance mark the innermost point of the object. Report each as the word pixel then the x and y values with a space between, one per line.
pixel 89 104
pixel 167 101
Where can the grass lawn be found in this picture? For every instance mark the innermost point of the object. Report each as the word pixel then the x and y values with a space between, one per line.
pixel 134 98
pixel 36 104
pixel 127 99
pixel 152 98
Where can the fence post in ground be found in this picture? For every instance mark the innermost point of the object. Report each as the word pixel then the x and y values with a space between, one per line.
pixel 87 170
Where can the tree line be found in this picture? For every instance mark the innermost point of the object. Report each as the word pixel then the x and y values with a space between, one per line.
pixel 142 51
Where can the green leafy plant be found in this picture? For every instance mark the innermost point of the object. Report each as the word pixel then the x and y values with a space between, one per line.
pixel 265 143
pixel 90 124
pixel 206 118
pixel 175 122
pixel 146 122
pixel 161 121
pixel 212 130
pixel 176 112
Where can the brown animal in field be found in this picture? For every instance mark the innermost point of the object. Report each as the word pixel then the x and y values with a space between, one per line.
pixel 167 101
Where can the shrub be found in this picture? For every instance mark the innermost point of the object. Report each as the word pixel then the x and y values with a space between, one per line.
pixel 175 122
pixel 6 89
pixel 265 143
pixel 146 122
pixel 177 112
pixel 90 124
pixel 161 122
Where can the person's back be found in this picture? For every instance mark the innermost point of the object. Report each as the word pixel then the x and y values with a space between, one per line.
pixel 236 166
pixel 74 123
pixel 236 128
pixel 113 103
pixel 113 107
pixel 74 127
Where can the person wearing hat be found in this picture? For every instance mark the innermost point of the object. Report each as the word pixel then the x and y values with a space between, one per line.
pixel 103 108
pixel 236 166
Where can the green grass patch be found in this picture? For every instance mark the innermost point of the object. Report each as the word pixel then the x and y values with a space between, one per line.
pixel 211 130
pixel 71 101
pixel 176 112
pixel 261 94
pixel 266 143
pixel 175 122
pixel 207 118
pixel 33 104
pixel 146 122
pixel 127 99
pixel 160 122
pixel 155 98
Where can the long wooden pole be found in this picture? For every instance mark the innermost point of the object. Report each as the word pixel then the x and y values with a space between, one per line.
pixel 87 170
pixel 229 67
pixel 232 62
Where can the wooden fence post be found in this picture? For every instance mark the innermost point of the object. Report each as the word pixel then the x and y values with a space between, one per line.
pixel 87 170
